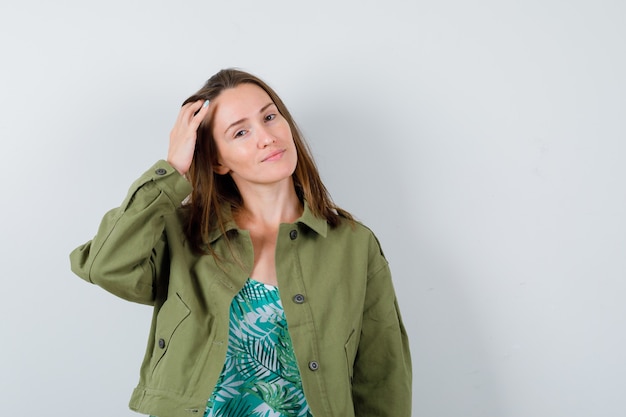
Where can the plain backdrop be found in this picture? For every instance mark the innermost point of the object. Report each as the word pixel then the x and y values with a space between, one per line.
pixel 483 142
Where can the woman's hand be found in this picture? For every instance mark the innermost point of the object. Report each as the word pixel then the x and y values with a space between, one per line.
pixel 184 133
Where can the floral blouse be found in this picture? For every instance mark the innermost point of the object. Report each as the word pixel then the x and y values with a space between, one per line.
pixel 260 377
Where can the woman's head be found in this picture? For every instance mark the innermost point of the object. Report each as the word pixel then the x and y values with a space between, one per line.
pixel 212 188
pixel 249 140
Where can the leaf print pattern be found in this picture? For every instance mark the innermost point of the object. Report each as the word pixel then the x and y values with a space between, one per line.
pixel 260 377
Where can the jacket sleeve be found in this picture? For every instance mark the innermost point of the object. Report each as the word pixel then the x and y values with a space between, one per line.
pixel 382 373
pixel 129 250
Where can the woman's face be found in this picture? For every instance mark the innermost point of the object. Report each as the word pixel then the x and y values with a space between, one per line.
pixel 254 142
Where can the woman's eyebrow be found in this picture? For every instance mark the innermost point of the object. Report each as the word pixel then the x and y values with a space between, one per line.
pixel 266 106
pixel 244 119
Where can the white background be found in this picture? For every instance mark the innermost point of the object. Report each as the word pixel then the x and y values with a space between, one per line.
pixel 483 141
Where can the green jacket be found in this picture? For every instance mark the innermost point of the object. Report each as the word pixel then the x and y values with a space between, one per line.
pixel 347 333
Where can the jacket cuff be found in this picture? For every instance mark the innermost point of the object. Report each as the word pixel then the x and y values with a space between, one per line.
pixel 167 179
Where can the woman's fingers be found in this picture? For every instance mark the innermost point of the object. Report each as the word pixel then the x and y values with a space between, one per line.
pixel 184 133
pixel 200 113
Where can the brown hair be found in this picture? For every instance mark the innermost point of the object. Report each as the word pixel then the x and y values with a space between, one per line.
pixel 212 190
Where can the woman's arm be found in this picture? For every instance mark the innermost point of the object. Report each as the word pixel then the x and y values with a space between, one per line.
pixel 129 251
pixel 382 381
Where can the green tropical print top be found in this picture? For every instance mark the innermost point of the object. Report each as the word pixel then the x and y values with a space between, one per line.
pixel 260 377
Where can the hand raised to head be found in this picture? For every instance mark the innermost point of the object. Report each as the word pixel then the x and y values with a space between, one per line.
pixel 184 134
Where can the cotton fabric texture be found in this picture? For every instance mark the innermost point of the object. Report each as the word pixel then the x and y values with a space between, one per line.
pixel 347 333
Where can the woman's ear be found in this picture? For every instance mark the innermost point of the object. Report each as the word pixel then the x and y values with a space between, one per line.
pixel 220 169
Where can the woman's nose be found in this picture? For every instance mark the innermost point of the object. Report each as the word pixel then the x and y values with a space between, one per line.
pixel 265 138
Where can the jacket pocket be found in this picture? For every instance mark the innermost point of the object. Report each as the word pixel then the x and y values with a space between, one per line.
pixel 169 319
pixel 351 347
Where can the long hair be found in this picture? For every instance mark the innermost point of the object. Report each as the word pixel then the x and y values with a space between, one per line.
pixel 211 191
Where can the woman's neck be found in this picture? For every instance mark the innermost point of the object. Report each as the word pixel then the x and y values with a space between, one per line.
pixel 269 206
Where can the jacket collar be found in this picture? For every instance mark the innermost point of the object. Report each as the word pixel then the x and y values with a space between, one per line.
pixel 318 225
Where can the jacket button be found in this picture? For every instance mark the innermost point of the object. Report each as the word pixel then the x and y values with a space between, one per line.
pixel 160 171
pixel 162 343
pixel 314 366
pixel 293 234
pixel 298 299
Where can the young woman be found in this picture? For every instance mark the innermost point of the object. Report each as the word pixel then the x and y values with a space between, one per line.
pixel 268 299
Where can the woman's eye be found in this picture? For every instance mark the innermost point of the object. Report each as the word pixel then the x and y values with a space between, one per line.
pixel 270 117
pixel 240 133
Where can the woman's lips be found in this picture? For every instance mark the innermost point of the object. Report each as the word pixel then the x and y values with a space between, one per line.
pixel 274 156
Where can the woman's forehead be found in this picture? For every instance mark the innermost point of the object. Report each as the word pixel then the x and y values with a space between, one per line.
pixel 237 103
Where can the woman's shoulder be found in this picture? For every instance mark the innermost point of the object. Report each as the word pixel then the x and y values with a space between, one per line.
pixel 355 232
